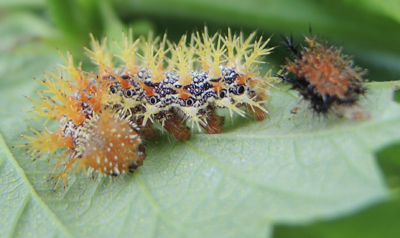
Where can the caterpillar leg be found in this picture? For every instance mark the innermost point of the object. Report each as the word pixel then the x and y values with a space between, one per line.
pixel 214 124
pixel 258 112
pixel 175 127
pixel 146 130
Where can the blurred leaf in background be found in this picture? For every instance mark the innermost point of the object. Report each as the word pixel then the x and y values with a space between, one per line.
pixel 190 188
pixel 378 221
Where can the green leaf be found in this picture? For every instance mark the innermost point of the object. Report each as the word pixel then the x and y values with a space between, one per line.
pixel 397 95
pixel 289 168
pixel 76 18
pixel 389 162
pixel 23 211
pixel 390 8
pixel 21 3
pixel 377 221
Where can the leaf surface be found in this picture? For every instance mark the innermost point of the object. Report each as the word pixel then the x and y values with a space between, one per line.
pixel 290 168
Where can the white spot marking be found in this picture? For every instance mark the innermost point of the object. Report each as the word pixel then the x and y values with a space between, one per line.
pixel 116 170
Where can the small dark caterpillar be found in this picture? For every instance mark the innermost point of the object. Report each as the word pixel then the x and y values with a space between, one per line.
pixel 325 77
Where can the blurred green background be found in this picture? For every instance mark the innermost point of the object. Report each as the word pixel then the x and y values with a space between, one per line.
pixel 367 29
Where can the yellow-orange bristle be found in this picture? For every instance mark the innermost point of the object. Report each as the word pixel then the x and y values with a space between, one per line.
pixel 100 55
pixel 46 141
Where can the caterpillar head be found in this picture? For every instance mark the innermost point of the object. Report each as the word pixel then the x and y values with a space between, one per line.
pixel 110 145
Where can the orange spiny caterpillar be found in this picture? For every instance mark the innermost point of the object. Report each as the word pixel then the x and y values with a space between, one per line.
pixel 174 84
pixel 96 138
pixel 103 114
pixel 324 76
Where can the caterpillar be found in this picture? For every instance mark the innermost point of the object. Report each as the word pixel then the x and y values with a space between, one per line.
pixel 195 78
pixel 105 115
pixel 325 77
